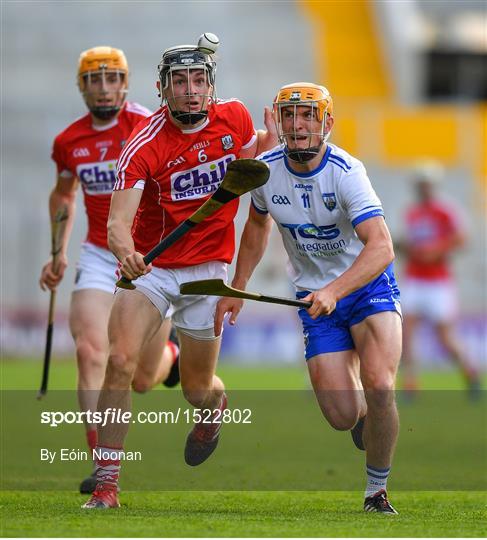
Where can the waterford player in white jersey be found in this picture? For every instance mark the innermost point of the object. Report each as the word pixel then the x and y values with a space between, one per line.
pixel 341 254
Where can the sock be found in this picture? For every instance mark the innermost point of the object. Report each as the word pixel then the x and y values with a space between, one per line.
pixel 376 480
pixel 174 350
pixel 91 439
pixel 107 465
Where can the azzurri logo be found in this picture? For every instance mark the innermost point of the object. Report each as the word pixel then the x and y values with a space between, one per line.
pixel 306 187
pixel 280 199
pixel 97 178
pixel 199 181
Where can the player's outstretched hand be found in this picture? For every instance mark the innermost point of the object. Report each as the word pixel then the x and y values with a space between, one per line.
pixel 268 137
pixel 270 124
pixel 50 276
pixel 133 266
pixel 224 306
pixel 324 302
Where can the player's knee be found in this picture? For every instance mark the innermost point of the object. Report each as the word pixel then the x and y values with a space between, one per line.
pixel 90 357
pixel 380 392
pixel 378 380
pixel 141 384
pixel 120 368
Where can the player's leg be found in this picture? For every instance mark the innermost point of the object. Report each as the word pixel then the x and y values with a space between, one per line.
pixel 89 329
pixel 199 356
pixel 408 363
pixel 334 370
pixel 446 335
pixel 336 381
pixel 134 320
pixel 203 389
pixel 443 312
pixel 90 308
pixel 378 341
pixel 88 319
pixel 194 318
pixel 158 357
pixel 413 300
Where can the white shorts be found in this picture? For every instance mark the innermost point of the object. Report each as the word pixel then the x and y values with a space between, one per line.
pixel 161 286
pixel 96 269
pixel 433 299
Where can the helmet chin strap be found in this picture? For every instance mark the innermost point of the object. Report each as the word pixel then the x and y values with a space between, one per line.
pixel 302 156
pixel 104 113
pixel 189 118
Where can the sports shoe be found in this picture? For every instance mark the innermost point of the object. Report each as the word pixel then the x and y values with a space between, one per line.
pixel 203 439
pixel 173 377
pixel 104 496
pixel 379 503
pixel 357 433
pixel 88 485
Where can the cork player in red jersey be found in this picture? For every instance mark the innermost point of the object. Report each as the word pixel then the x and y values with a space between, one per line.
pixel 86 154
pixel 171 164
pixel 434 232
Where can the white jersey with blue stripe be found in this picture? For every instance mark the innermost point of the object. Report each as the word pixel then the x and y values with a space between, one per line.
pixel 316 213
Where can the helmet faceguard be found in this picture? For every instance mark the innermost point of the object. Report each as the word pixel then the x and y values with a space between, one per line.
pixel 103 80
pixel 286 104
pixel 189 107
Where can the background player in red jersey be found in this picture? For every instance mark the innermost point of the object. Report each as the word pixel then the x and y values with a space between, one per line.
pixel 434 232
pixel 86 153
pixel 172 162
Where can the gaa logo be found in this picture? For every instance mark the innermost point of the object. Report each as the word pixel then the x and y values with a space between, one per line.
pixel 199 181
pixel 97 178
pixel 81 152
pixel 280 199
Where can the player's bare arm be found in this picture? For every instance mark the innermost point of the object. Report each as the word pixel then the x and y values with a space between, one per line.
pixel 253 243
pixel 63 195
pixel 123 209
pixel 377 254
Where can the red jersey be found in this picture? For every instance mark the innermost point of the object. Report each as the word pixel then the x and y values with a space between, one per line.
pixel 90 153
pixel 430 225
pixel 178 170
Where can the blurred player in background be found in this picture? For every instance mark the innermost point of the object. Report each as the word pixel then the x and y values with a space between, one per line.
pixel 86 153
pixel 340 252
pixel 434 231
pixel 163 176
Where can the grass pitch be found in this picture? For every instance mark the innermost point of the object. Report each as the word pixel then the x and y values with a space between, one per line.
pixel 243 514
pixel 236 513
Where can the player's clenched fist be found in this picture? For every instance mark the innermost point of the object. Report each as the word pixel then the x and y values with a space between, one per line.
pixel 224 306
pixel 134 266
pixel 324 302
pixel 50 276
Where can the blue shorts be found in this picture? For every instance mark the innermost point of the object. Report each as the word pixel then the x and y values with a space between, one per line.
pixel 331 333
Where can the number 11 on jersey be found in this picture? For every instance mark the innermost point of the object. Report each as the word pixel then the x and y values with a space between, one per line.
pixel 305 198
